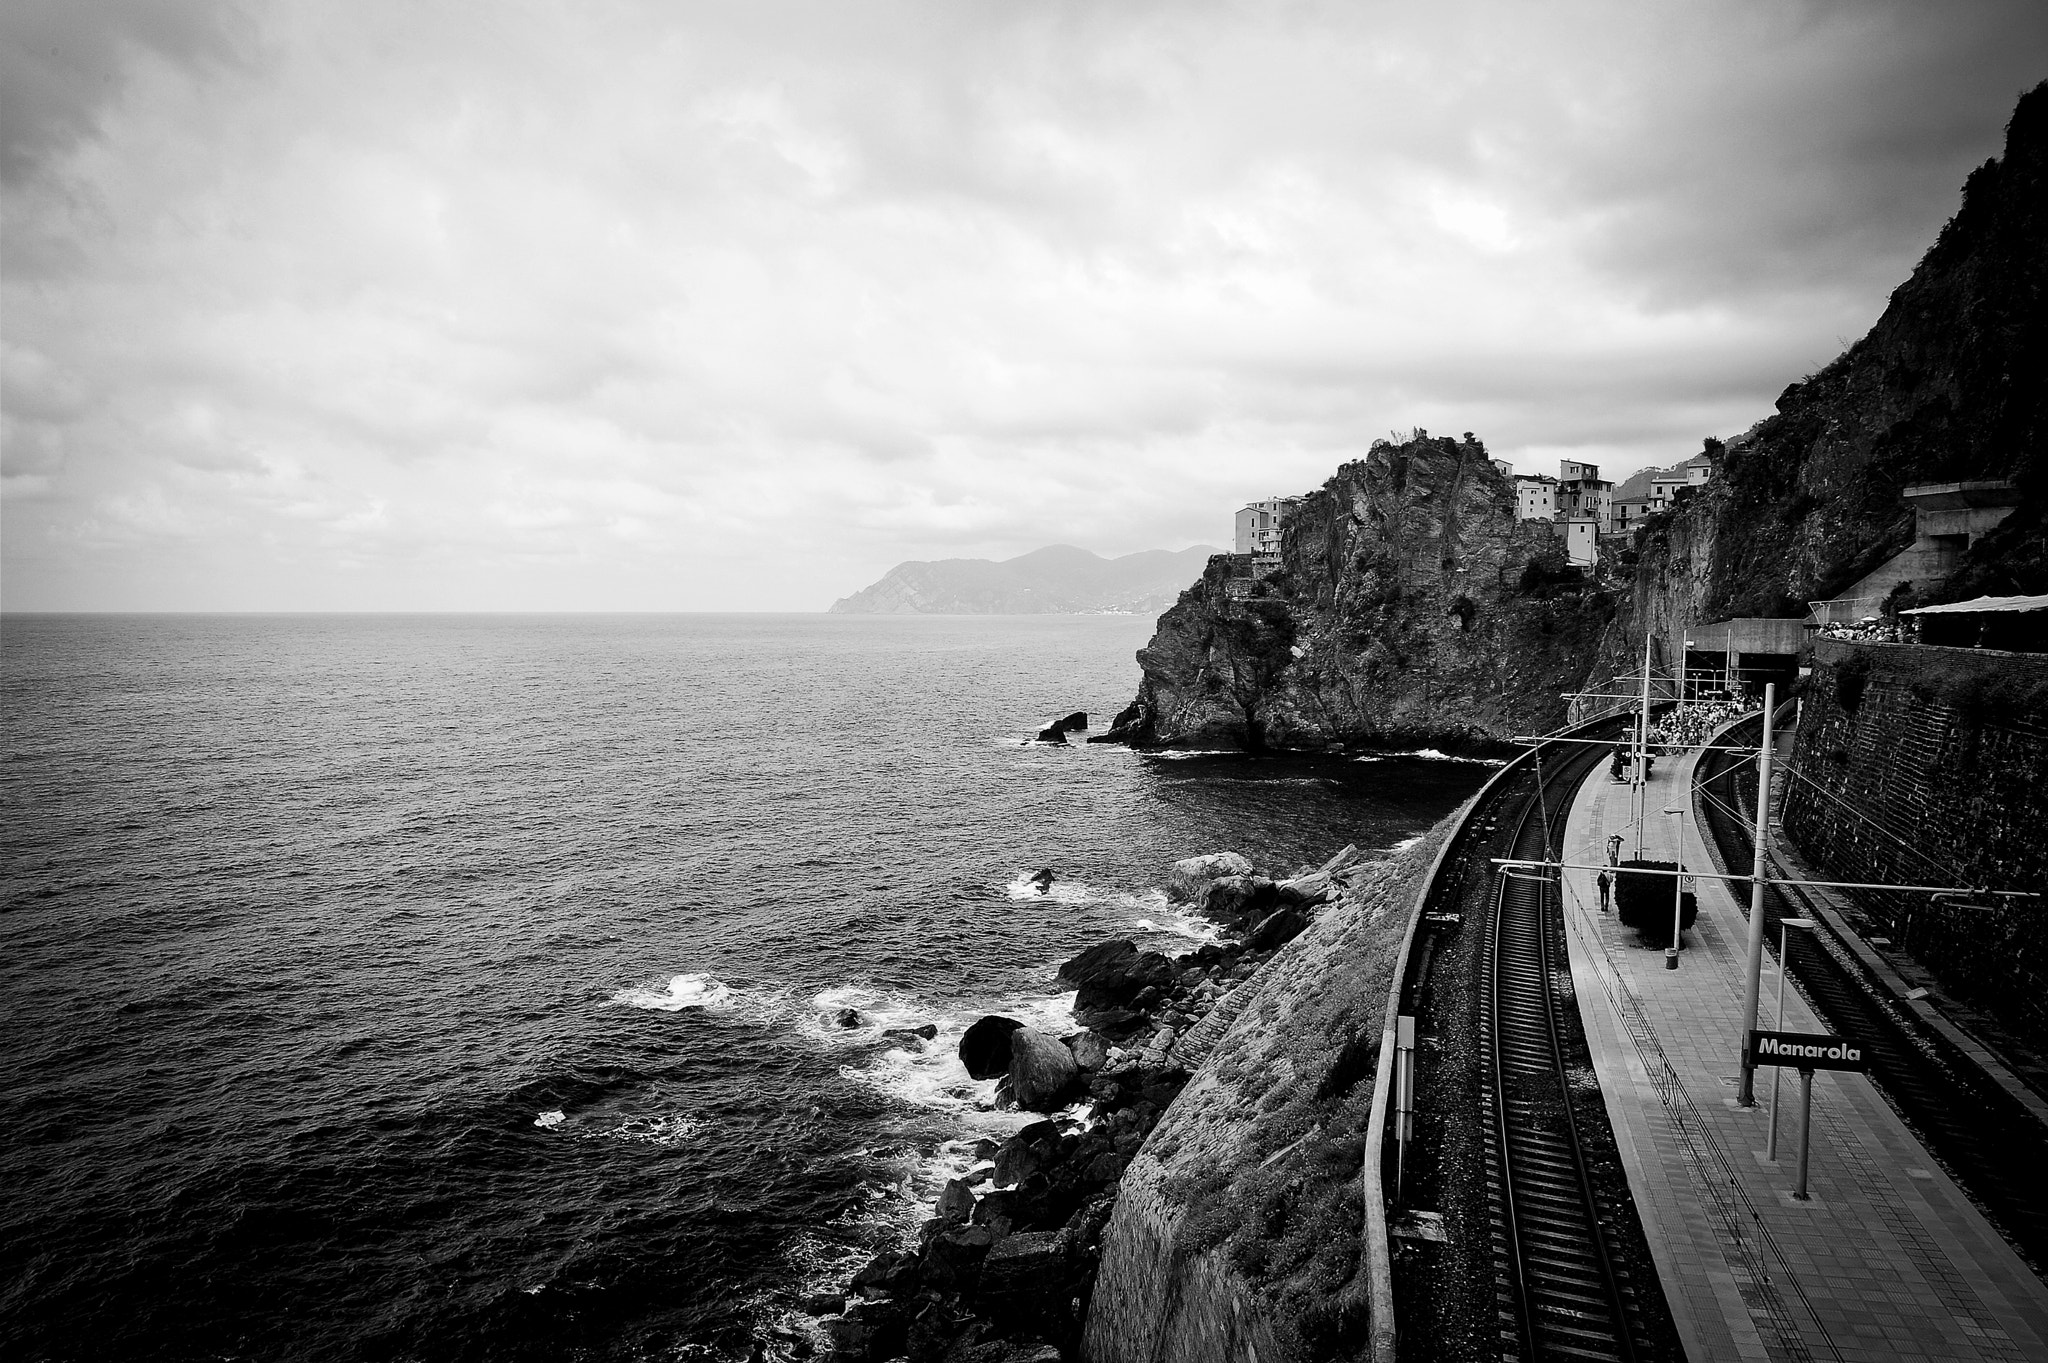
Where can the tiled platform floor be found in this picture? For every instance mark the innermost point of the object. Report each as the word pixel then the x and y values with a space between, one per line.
pixel 1888 1261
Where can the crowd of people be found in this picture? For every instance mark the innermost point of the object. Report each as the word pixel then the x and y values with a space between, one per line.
pixel 1871 629
pixel 1693 723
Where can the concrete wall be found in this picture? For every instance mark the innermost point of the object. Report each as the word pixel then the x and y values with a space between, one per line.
pixel 1949 782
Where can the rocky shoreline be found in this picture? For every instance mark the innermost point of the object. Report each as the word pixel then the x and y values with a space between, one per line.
pixel 1003 1270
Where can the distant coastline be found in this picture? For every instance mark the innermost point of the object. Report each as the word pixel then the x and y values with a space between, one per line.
pixel 1057 580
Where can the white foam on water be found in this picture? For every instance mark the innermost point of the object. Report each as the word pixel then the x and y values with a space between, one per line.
pixel 1432 755
pixel 683 991
pixel 1191 926
pixel 880 1010
pixel 1183 754
pixel 1059 892
pixel 548 1119
pixel 651 1130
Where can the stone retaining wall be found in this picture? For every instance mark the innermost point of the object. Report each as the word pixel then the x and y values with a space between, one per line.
pixel 1930 766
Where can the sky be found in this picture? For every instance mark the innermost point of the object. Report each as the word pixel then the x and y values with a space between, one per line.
pixel 604 305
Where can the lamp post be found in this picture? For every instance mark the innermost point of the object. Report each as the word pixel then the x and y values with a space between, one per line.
pixel 1677 886
pixel 1785 926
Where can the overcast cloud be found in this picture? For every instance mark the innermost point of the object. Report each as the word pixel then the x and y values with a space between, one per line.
pixel 363 305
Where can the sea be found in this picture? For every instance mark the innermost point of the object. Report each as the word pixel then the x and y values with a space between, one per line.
pixel 473 986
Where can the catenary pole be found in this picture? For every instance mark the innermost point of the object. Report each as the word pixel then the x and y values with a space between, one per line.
pixel 1642 790
pixel 1752 977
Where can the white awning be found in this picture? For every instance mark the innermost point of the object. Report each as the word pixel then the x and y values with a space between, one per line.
pixel 1984 605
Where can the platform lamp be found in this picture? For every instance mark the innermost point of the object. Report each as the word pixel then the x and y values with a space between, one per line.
pixel 1677 887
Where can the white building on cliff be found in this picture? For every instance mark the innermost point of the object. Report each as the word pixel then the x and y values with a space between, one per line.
pixel 1258 525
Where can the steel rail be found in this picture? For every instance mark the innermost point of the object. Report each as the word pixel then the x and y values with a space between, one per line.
pixel 1552 1289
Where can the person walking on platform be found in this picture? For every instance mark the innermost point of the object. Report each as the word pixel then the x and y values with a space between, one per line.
pixel 1620 760
pixel 1603 883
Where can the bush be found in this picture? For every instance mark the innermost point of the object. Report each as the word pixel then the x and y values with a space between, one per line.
pixel 1643 902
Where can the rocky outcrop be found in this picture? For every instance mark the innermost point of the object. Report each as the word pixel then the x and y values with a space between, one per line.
pixel 1408 605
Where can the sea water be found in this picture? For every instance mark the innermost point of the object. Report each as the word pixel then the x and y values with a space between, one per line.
pixel 442 987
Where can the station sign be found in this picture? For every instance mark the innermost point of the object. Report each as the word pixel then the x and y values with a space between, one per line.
pixel 1807 1051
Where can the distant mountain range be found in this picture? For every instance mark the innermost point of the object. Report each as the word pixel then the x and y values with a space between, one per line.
pixel 1056 580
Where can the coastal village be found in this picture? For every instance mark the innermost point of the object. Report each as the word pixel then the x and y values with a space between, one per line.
pixel 1714 1027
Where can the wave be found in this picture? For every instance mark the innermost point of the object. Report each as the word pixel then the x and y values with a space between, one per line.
pixel 1431 755
pixel 1191 926
pixel 1059 892
pixel 684 991
pixel 639 1128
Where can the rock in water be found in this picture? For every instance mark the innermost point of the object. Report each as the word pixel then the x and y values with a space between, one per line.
pixel 849 1017
pixel 1052 733
pixel 1074 723
pixel 1103 961
pixel 1191 875
pixel 1042 1069
pixel 985 1046
pixel 1237 898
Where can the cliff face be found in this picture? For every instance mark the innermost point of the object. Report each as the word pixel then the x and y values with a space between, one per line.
pixel 1409 606
pixel 1950 383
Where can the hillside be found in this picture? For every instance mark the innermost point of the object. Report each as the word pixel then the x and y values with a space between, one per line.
pixel 1059 579
pixel 1412 606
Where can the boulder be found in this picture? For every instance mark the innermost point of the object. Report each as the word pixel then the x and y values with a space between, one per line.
pixel 894 1273
pixel 1309 889
pixel 1042 1070
pixel 849 1017
pixel 1052 733
pixel 932 1333
pixel 1104 961
pixel 1277 929
pixel 1189 876
pixel 1091 1052
pixel 1239 898
pixel 952 1261
pixel 956 1202
pixel 1025 1153
pixel 1075 723
pixel 1025 1281
pixel 923 1032
pixel 997 1211
pixel 985 1046
pixel 868 1330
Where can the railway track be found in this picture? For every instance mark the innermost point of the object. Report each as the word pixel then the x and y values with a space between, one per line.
pixel 1988 1142
pixel 1544 1256
pixel 1566 1294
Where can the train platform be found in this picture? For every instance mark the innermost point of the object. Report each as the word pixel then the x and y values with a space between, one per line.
pixel 1889 1260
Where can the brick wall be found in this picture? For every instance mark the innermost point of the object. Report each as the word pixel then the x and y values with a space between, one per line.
pixel 1942 755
